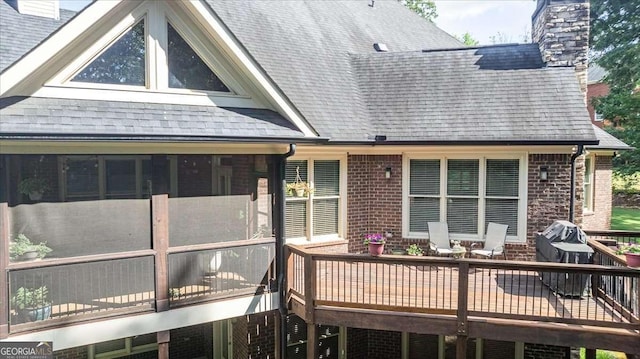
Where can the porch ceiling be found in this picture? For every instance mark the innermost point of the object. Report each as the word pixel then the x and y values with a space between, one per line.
pixel 52 117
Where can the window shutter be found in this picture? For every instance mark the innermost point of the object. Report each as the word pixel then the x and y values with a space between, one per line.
pixel 502 193
pixel 424 192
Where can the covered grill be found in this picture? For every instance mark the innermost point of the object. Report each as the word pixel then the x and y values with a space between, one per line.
pixel 564 242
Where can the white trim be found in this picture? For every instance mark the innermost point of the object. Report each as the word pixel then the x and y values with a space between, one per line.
pixel 141 95
pixel 589 201
pixel 220 33
pixel 139 148
pixel 443 157
pixel 42 53
pixel 342 202
pixel 131 325
pixel 310 149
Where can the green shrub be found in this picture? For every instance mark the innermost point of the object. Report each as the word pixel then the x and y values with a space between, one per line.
pixel 629 184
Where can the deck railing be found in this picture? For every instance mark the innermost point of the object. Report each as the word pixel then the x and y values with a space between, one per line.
pixel 134 256
pixel 614 237
pixel 527 291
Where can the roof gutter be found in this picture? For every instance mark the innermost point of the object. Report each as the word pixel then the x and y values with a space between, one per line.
pixel 572 198
pixel 463 143
pixel 156 138
pixel 281 234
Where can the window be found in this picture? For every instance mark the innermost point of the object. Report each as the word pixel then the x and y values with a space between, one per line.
pixel 588 183
pixel 122 63
pixel 467 193
pixel 124 347
pixel 186 68
pixel 314 213
pixel 106 177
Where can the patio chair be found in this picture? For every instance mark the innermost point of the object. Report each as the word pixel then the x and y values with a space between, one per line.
pixel 493 241
pixel 439 238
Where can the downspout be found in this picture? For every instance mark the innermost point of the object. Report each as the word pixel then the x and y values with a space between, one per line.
pixel 281 268
pixel 572 198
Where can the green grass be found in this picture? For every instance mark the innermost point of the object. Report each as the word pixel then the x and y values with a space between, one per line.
pixel 625 219
pixel 600 354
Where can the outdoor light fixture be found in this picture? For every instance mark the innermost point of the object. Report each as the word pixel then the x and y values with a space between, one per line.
pixel 544 173
pixel 387 172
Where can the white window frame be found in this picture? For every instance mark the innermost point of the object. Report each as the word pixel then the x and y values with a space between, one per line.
pixel 128 350
pixel 156 14
pixel 342 202
pixel 588 183
pixel 482 158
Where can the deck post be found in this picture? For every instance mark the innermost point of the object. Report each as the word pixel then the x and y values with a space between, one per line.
pixel 590 354
pixel 462 331
pixel 4 262
pixel 160 215
pixel 312 341
pixel 163 338
pixel 309 288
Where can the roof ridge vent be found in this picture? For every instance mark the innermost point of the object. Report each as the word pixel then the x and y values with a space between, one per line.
pixel 380 47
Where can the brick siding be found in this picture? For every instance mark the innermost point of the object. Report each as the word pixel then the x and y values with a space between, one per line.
pixel 261 334
pixel 595 90
pixel 541 351
pixel 71 353
pixel 191 342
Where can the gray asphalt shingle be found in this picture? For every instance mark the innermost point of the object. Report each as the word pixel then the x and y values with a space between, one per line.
pixel 497 93
pixel 21 33
pixel 608 141
pixel 49 116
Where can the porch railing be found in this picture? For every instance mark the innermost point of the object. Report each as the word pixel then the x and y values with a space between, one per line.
pixel 132 256
pixel 610 237
pixel 464 288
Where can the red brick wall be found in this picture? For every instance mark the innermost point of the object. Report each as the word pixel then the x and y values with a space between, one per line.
pixel 261 334
pixel 240 345
pixel 191 342
pixel 71 353
pixel 595 90
pixel 548 200
pixel 600 218
pixel 541 351
pixel 373 344
pixel 374 202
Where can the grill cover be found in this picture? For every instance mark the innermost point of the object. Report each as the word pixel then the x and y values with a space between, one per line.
pixel 564 242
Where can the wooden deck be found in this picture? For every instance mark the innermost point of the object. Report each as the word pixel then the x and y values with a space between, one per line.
pixel 581 305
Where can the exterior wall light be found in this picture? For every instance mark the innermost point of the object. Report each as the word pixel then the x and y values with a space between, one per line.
pixel 387 172
pixel 544 173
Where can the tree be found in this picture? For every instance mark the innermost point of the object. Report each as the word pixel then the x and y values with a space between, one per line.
pixel 615 42
pixel 424 8
pixel 467 39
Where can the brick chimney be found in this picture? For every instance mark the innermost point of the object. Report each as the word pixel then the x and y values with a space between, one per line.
pixel 44 8
pixel 561 29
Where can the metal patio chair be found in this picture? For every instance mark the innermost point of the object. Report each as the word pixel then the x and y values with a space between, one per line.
pixel 493 241
pixel 439 238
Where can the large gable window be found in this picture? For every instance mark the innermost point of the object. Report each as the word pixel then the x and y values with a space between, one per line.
pixel 467 193
pixel 313 214
pixel 123 63
pixel 186 68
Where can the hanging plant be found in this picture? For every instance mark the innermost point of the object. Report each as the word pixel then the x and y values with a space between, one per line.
pixel 299 188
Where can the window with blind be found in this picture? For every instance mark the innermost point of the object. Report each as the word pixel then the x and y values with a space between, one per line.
pixel 465 193
pixel 316 213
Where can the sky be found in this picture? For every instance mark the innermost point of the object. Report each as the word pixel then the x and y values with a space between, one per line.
pixel 481 18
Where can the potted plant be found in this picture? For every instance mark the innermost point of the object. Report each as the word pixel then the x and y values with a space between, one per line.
pixel 298 189
pixel 376 242
pixel 631 252
pixel 34 187
pixel 21 249
pixel 415 250
pixel 31 304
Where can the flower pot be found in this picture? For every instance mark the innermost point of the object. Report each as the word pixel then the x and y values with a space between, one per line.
pixel 376 249
pixel 34 314
pixel 28 256
pixel 633 259
pixel 300 192
pixel 35 196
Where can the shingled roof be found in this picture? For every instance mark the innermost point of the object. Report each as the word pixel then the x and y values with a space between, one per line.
pixel 305 47
pixel 24 116
pixel 320 54
pixel 608 141
pixel 485 94
pixel 21 33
